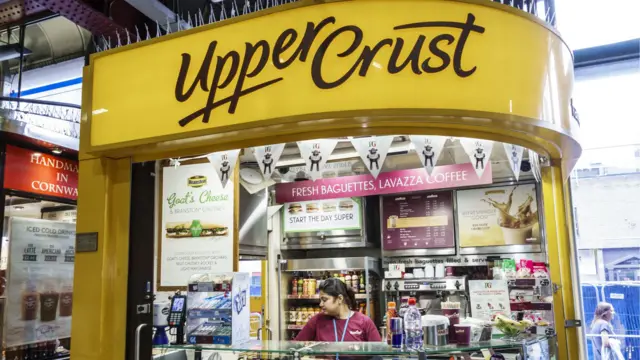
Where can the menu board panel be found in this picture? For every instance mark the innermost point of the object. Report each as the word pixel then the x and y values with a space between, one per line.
pixel 40 284
pixel 322 215
pixel 498 216
pixel 418 221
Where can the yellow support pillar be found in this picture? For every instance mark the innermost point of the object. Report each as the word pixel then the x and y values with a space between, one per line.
pixel 559 237
pixel 100 279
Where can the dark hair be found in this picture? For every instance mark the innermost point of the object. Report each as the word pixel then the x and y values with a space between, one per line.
pixel 335 287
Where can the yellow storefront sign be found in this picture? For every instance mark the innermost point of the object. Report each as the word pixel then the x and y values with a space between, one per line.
pixel 320 61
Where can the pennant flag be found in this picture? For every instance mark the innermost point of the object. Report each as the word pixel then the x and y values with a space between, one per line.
pixel 315 154
pixel 479 152
pixel 267 157
pixel 373 150
pixel 514 154
pixel 428 149
pixel 224 163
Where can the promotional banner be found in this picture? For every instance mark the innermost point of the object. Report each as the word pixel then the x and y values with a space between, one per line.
pixel 514 154
pixel 315 154
pixel 224 163
pixel 402 181
pixel 197 224
pixel 489 298
pixel 419 221
pixel 39 173
pixel 497 216
pixel 428 149
pixel 40 282
pixel 322 215
pixel 267 158
pixel 373 150
pixel 479 152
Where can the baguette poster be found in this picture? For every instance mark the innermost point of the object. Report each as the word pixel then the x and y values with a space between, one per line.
pixel 197 223
pixel 498 216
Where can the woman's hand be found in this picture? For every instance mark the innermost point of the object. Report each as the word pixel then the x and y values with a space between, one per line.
pixel 605 339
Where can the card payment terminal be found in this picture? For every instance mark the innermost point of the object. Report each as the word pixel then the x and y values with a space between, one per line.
pixel 177 316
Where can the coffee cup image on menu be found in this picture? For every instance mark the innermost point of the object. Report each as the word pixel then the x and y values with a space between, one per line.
pixel 393 221
pixel 517 228
pixel 176 230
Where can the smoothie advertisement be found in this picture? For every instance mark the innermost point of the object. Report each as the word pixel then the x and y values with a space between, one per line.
pixel 40 284
pixel 197 223
pixel 498 216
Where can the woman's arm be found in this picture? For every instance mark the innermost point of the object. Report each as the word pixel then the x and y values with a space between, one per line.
pixel 371 332
pixel 308 332
pixel 604 335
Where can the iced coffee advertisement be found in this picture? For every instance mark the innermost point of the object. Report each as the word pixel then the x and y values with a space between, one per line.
pixel 498 216
pixel 197 224
pixel 322 215
pixel 40 283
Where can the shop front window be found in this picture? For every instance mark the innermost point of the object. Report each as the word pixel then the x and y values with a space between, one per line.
pixel 605 190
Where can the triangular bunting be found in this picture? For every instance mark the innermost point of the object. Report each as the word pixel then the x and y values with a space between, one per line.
pixel 514 154
pixel 479 152
pixel 373 150
pixel 224 163
pixel 428 149
pixel 315 154
pixel 267 157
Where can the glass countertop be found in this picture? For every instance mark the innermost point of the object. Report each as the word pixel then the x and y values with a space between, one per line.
pixel 353 348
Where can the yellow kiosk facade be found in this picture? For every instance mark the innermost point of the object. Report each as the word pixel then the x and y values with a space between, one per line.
pixel 315 69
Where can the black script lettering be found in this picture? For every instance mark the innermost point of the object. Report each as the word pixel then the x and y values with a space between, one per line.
pixel 283 43
pixel 316 66
pixel 466 27
pixel 215 84
pixel 201 78
pixel 413 57
pixel 435 50
pixel 368 54
pixel 235 67
pixel 244 70
pixel 309 36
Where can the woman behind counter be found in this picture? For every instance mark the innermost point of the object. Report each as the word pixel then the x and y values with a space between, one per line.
pixel 338 321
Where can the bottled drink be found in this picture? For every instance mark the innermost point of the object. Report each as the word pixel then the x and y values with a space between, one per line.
pixel 362 285
pixel 391 313
pixel 413 326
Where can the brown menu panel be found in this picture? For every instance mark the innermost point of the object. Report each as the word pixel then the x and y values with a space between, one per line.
pixel 418 221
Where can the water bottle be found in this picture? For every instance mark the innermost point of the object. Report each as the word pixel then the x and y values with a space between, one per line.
pixel 413 326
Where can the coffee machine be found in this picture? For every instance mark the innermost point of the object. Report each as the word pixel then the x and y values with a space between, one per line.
pixel 429 292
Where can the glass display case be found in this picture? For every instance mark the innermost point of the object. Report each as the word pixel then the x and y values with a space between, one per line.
pixel 218 309
pixel 528 348
pixel 300 282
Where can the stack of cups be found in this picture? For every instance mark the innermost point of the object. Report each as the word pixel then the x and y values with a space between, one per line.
pixel 452 311
pixel 396 330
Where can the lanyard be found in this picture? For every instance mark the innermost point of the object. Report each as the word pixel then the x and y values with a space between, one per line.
pixel 346 325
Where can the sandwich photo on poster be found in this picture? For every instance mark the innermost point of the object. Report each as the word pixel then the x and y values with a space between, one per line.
pixel 498 216
pixel 322 215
